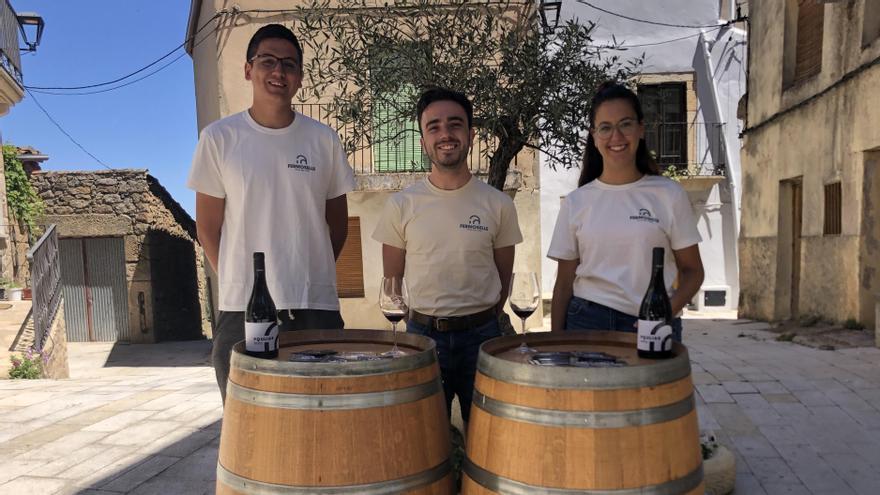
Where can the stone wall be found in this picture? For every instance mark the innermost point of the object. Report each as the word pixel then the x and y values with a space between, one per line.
pixel 164 269
pixel 55 347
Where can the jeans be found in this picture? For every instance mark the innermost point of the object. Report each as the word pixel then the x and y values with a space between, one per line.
pixel 230 330
pixel 587 315
pixel 457 353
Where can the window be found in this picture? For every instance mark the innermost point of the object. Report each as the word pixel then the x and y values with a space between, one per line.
pixel 871 27
pixel 804 21
pixel 396 146
pixel 350 265
pixel 665 122
pixel 832 209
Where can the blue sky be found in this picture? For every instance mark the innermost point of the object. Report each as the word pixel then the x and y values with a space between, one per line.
pixel 150 124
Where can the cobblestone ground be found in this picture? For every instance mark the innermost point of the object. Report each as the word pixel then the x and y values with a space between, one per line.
pixel 145 419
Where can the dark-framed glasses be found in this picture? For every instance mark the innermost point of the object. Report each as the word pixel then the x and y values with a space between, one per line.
pixel 627 127
pixel 267 61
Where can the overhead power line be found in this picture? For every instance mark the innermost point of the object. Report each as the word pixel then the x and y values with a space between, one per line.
pixel 624 47
pixel 74 141
pixel 634 19
pixel 119 79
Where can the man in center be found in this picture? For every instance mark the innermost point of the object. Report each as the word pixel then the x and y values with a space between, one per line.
pixel 452 237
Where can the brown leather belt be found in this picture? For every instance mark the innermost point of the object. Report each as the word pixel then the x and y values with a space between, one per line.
pixel 453 323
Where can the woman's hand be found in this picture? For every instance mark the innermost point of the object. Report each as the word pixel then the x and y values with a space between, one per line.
pixel 562 292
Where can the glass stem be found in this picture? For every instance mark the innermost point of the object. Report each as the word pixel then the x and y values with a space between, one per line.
pixel 394 332
pixel 523 320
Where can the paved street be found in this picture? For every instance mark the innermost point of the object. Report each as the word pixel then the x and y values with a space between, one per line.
pixel 144 419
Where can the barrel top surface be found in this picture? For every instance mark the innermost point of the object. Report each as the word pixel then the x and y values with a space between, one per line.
pixel 417 351
pixel 500 359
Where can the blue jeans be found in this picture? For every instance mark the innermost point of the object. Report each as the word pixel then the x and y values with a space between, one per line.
pixel 457 353
pixel 587 315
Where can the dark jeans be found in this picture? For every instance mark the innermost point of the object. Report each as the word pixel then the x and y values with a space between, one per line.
pixel 230 330
pixel 587 315
pixel 457 353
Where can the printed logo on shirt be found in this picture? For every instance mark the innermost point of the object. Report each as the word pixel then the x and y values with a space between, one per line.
pixel 473 223
pixel 301 163
pixel 644 216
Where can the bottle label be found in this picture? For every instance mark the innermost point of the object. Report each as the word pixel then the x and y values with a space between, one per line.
pixel 261 337
pixel 654 336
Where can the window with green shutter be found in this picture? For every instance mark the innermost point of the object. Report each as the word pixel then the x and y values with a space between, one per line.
pixel 395 146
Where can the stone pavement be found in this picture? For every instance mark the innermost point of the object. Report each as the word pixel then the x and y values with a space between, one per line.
pixel 144 419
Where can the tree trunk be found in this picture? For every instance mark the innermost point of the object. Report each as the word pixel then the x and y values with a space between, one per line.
pixel 500 160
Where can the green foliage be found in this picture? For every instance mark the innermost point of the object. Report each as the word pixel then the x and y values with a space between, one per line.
pixel 27 367
pixel 853 324
pixel 21 196
pixel 531 88
pixel 786 337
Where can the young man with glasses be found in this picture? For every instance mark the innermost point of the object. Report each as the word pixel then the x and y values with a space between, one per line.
pixel 454 236
pixel 270 179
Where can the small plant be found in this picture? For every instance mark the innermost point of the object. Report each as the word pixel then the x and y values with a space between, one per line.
pixel 853 324
pixel 29 366
pixel 786 337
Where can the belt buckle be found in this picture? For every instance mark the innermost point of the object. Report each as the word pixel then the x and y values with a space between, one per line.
pixel 441 324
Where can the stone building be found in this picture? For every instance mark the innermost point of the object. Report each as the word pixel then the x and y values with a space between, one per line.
pixel 131 267
pixel 810 234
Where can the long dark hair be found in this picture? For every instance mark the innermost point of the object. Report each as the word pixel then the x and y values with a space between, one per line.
pixel 592 165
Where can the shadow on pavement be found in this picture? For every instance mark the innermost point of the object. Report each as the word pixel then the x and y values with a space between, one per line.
pixel 163 354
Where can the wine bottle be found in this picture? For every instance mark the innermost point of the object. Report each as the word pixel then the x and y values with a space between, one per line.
pixel 261 317
pixel 655 315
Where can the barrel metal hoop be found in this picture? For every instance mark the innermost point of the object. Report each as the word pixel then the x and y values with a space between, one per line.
pixel 333 402
pixel 569 377
pixel 400 485
pixel 506 486
pixel 583 419
pixel 357 368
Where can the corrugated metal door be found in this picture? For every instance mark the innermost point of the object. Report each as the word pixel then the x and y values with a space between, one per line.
pixel 93 278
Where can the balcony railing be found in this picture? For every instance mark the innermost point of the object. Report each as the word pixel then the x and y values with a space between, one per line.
pixel 693 148
pixel 10 58
pixel 380 158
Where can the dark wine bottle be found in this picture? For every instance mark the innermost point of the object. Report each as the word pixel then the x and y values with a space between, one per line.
pixel 261 317
pixel 655 315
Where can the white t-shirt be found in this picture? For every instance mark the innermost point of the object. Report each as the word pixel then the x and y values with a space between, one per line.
pixel 612 230
pixel 450 238
pixel 276 183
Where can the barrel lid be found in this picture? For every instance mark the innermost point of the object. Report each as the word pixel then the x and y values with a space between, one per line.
pixel 418 351
pixel 500 360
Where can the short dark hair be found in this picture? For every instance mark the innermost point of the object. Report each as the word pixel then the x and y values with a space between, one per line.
pixel 435 94
pixel 272 31
pixel 593 165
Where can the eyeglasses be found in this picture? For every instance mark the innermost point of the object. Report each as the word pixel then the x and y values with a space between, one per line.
pixel 269 62
pixel 626 127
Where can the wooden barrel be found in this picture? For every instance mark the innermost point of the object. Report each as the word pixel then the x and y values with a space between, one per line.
pixel 566 430
pixel 365 427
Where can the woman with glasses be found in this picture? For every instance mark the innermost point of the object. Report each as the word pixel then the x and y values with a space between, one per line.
pixel 607 227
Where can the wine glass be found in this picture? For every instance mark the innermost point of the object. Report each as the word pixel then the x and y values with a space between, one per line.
pixel 393 303
pixel 525 295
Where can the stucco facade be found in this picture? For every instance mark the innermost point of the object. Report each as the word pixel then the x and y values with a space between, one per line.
pixel 221 90
pixel 801 140
pixel 708 63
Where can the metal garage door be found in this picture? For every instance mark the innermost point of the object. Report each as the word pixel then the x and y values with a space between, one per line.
pixel 94 288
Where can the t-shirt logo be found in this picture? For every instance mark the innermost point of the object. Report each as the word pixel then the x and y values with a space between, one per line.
pixel 473 223
pixel 301 163
pixel 644 216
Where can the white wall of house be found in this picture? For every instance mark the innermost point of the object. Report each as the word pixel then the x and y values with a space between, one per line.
pixel 713 62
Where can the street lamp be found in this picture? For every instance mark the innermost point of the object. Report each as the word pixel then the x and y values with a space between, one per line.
pixel 550 14
pixel 34 23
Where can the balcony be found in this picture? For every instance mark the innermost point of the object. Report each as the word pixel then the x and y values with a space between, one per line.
pixel 693 153
pixel 11 82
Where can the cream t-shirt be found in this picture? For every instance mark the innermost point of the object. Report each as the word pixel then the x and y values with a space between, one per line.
pixel 276 183
pixel 613 230
pixel 450 238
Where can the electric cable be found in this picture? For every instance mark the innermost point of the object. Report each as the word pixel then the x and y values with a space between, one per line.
pixel 634 19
